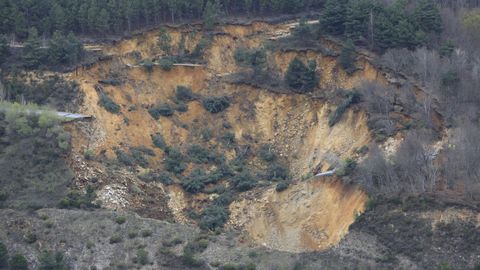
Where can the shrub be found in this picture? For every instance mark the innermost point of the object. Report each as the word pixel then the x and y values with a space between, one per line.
pixel 3 255
pixel 158 141
pixel 255 58
pixel 266 153
pixel 194 183
pixel 228 138
pixel 174 161
pixel 120 219
pixel 18 262
pixel 3 197
pixel 139 155
pixel 75 199
pixel 347 167
pixel 244 181
pixel 214 217
pixel 88 154
pixel 107 103
pixel 215 104
pixel 166 63
pixel 132 234
pixel 163 109
pixel 301 78
pixel 347 57
pixel 147 64
pixel 165 178
pixel 283 185
pixel 183 93
pixel 277 172
pixel 198 154
pixel 50 261
pixel 124 158
pixel 146 233
pixel 450 79
pixel 142 257
pixel 181 107
pixel 206 134
pixel 30 238
pixel 334 117
pixel 116 239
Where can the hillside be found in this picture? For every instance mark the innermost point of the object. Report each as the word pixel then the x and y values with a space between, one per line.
pixel 255 145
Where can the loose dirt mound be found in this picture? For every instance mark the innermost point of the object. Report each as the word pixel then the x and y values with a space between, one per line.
pixel 309 216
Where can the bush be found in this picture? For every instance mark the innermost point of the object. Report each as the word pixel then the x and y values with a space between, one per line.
pixel 107 103
pixel 166 63
pixel 30 238
pixel 283 185
pixel 3 255
pixel 347 167
pixel 146 233
pixel 18 262
pixel 198 154
pixel 75 199
pixel 244 181
pixel 120 219
pixel 277 172
pixel 50 261
pixel 194 183
pixel 116 239
pixel 214 217
pixel 255 58
pixel 124 158
pixel 147 64
pixel 266 153
pixel 228 138
pixel 347 57
pixel 88 154
pixel 334 117
pixel 215 104
pixel 159 142
pixel 183 93
pixel 206 134
pixel 142 257
pixel 301 78
pixel 174 161
pixel 163 109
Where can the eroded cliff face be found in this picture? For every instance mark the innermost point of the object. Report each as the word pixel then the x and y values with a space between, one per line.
pixel 311 215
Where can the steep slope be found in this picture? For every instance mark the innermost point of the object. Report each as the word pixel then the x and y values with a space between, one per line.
pixel 295 125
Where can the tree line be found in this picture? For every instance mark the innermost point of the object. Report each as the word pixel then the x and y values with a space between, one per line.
pixel 119 16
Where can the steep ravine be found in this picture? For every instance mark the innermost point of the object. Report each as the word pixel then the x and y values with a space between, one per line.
pixel 311 215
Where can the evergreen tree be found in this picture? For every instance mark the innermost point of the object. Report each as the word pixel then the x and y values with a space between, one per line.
pixel 33 54
pixel 18 262
pixel 4 49
pixel 164 40
pixel 333 18
pixel 301 78
pixel 358 18
pixel 58 17
pixel 427 16
pixel 347 57
pixel 211 14
pixel 303 30
pixel 3 256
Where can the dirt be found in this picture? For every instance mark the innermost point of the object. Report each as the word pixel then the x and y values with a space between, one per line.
pixel 309 216
pixel 297 220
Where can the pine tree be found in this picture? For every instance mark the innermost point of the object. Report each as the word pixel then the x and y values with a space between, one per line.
pixel 347 57
pixel 427 16
pixel 164 40
pixel 333 18
pixel 4 49
pixel 301 78
pixel 33 54
pixel 357 22
pixel 211 14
